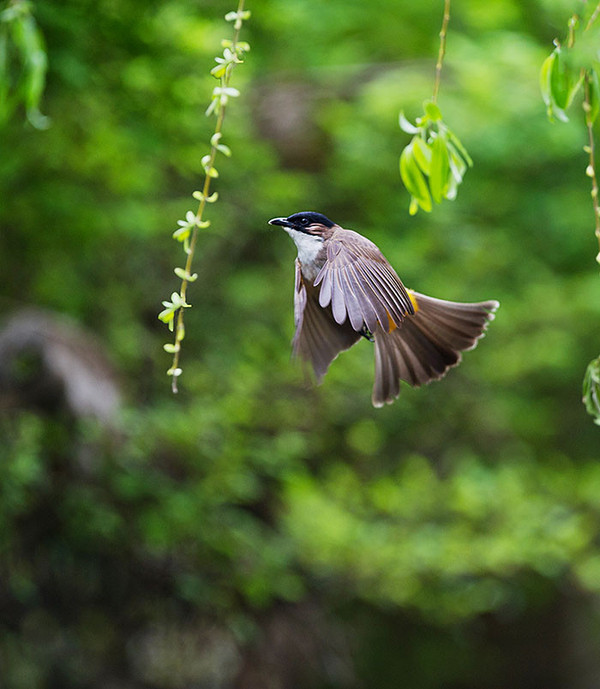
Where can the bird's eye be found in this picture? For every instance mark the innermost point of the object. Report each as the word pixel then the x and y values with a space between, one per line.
pixel 304 221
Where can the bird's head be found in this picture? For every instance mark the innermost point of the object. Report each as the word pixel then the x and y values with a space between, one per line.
pixel 308 222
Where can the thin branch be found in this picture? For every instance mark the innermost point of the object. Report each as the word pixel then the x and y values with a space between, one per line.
pixel 442 50
pixel 593 16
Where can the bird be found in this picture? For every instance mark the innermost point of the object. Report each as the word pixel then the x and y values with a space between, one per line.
pixel 346 290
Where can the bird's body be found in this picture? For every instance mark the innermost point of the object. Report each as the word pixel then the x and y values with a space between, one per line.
pixel 346 289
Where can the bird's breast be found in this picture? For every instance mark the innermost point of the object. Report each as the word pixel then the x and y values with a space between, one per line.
pixel 311 252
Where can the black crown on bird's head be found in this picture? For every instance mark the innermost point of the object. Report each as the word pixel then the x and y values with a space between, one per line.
pixel 300 221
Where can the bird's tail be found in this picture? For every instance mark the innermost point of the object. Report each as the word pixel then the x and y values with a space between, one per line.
pixel 424 346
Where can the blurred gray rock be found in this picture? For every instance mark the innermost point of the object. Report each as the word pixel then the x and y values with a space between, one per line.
pixel 48 362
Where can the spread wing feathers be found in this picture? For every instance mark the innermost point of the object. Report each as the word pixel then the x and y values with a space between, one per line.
pixel 427 344
pixel 360 284
pixel 318 338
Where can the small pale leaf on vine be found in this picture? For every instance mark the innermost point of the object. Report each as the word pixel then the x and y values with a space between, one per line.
pixel 407 126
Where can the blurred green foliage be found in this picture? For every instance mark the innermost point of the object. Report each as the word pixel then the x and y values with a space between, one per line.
pixel 475 496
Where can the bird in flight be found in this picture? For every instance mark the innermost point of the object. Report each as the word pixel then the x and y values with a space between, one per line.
pixel 346 289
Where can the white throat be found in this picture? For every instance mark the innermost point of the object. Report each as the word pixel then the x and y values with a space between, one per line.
pixel 309 246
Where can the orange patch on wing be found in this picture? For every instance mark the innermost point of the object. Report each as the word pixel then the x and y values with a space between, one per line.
pixel 391 323
pixel 413 300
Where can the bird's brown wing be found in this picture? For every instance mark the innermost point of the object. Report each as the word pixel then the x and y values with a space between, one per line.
pixel 318 338
pixel 360 285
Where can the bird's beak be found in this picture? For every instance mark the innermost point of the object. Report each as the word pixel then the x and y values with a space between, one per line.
pixel 284 222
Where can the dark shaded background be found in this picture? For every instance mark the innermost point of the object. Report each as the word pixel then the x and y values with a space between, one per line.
pixel 255 532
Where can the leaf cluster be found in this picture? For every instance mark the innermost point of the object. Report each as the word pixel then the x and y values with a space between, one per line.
pixel 561 79
pixel 434 163
pixel 573 63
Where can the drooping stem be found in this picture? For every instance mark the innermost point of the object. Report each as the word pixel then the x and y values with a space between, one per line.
pixel 572 25
pixel 593 16
pixel 442 50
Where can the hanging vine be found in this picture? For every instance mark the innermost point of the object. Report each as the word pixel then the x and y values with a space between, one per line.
pixel 187 232
pixel 570 69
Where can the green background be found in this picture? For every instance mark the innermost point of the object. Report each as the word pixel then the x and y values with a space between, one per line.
pixel 255 531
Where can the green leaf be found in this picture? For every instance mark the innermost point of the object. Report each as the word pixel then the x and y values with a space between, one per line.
pixel 547 78
pixel 422 154
pixel 413 178
pixel 432 111
pixel 545 73
pixel 456 142
pixel 225 150
pixel 166 315
pixel 182 234
pixel 451 188
pixel 560 77
pixel 29 47
pixel 171 348
pixel 36 60
pixel 199 196
pixel 565 81
pixel 219 71
pixel 213 107
pixel 177 300
pixel 184 275
pixel 438 176
pixel 558 113
pixel 458 166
